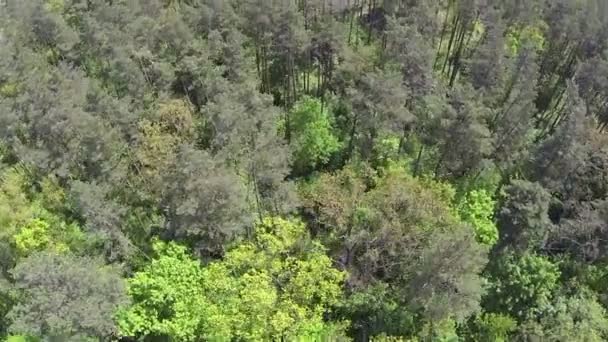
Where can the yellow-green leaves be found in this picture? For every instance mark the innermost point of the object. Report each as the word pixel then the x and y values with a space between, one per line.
pixel 531 33
pixel 286 283
pixel 9 89
pixel 15 208
pixel 278 286
pixel 34 236
pixel 28 222
pixel 276 235
pixel 477 209
pixel 167 296
pixel 56 6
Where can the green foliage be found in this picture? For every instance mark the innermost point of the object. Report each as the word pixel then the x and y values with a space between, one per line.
pixel 376 311
pixel 569 318
pixel 55 5
pixel 387 338
pixel 577 317
pixel 34 236
pixel 204 201
pixel 15 207
pixel 20 338
pixel 477 208
pixel 522 286
pixel 312 139
pixel 9 89
pixel 167 297
pixel 265 289
pixel 492 327
pixel 421 135
pixel 29 224
pixel 442 331
pixel 307 283
pixel 531 33
pixel 386 152
pixel 443 190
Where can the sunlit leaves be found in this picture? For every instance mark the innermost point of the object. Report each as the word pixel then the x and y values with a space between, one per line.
pixel 280 284
pixel 522 286
pixel 312 139
pixel 477 209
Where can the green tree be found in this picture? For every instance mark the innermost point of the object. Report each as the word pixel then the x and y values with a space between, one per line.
pixel 279 285
pixel 286 284
pixel 579 317
pixel 312 139
pixel 33 236
pixel 513 119
pixel 522 286
pixel 167 297
pixel 477 208
pixel 404 233
pixel 103 217
pixel 491 327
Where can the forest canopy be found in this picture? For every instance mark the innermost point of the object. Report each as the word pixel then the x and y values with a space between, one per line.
pixel 303 170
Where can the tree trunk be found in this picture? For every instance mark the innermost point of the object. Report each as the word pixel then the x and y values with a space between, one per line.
pixel 418 159
pixel 450 43
pixel 443 31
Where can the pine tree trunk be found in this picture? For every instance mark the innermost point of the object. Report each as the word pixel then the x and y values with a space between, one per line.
pixel 443 31
pixel 450 43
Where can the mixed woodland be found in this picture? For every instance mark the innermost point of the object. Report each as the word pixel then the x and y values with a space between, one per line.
pixel 303 170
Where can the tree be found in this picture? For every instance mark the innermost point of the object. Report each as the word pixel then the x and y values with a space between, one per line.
pixel 325 51
pixel 401 232
pixel 156 147
pixel 523 216
pixel 32 220
pixel 464 141
pixel 477 208
pixel 561 154
pixel 513 122
pixel 377 102
pixel 167 297
pixel 312 138
pixel 330 202
pixel 522 286
pixel 492 327
pixel 376 310
pixel 203 202
pixel 103 218
pixel 408 48
pixel 66 298
pixel 279 285
pixel 284 283
pixel 581 234
pixel 244 131
pixel 571 317
pixel 50 128
pixel 446 283
pixel 590 79
pixel 484 68
pixel 460 21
